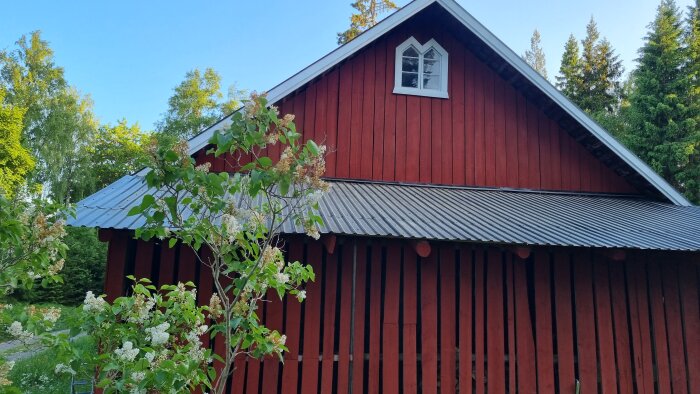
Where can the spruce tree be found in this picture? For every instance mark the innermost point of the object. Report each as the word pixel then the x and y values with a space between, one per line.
pixel 569 78
pixel 535 55
pixel 663 132
pixel 601 70
pixel 691 176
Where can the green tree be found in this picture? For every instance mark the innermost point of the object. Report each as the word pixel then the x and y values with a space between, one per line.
pixel 58 120
pixel 15 160
pixel 116 151
pixel 691 177
pixel 663 131
pixel 535 55
pixel 601 71
pixel 692 66
pixel 569 79
pixel 367 15
pixel 196 104
pixel 82 267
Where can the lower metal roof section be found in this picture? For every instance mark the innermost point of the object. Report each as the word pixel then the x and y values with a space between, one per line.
pixel 459 214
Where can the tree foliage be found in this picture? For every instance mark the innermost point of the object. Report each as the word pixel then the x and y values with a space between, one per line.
pixel 367 15
pixel 84 266
pixel 197 102
pixel 57 121
pixel 569 80
pixel 601 72
pixel 15 160
pixel 664 131
pixel 535 55
pixel 116 151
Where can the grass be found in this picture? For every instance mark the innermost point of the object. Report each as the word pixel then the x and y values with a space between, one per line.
pixel 35 375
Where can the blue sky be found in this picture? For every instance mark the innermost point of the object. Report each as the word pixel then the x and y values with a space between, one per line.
pixel 128 55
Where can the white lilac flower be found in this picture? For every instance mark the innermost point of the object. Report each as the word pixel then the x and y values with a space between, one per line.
pixel 197 352
pixel 142 309
pixel 158 335
pixel 51 315
pixel 16 330
pixel 232 225
pixel 315 197
pixel 127 352
pixel 93 304
pixel 33 275
pixel 149 357
pixel 138 376
pixel 56 267
pixel 63 368
pixel 282 277
pixel 301 295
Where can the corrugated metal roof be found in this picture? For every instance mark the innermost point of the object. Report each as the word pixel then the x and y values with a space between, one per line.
pixel 459 214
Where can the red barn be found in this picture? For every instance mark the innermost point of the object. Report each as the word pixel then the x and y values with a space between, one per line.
pixel 482 233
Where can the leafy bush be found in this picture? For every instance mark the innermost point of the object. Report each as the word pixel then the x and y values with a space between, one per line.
pixel 84 271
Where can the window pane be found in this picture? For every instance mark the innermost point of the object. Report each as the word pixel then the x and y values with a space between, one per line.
pixel 410 51
pixel 431 66
pixel 409 64
pixel 409 80
pixel 431 81
pixel 432 54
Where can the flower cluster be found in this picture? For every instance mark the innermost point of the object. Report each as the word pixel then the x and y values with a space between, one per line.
pixel 63 368
pixel 141 309
pixel 49 315
pixel 18 332
pixel 5 368
pixel 215 308
pixel 158 335
pixel 93 304
pixel 56 267
pixel 127 352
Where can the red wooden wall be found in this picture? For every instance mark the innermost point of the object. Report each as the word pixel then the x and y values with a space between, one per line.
pixel 485 134
pixel 468 319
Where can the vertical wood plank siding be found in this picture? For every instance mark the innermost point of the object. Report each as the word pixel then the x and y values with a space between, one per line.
pixel 467 318
pixel 485 134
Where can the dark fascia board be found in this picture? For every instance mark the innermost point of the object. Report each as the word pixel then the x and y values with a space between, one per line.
pixel 329 61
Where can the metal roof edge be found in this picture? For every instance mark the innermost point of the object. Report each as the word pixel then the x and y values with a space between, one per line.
pixel 578 114
pixel 341 53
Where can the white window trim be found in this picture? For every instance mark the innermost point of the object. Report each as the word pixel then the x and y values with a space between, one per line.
pixel 398 89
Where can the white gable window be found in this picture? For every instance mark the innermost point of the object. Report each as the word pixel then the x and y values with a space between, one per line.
pixel 421 70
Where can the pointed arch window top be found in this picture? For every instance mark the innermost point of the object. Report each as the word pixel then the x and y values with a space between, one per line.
pixel 421 70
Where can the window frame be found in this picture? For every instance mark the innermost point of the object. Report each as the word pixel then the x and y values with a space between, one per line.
pixel 422 49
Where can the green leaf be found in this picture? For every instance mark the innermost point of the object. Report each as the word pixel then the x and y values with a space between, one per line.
pixel 172 242
pixel 265 161
pixel 135 211
pixel 311 145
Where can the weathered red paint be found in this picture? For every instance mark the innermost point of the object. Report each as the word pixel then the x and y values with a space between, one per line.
pixel 485 318
pixel 486 134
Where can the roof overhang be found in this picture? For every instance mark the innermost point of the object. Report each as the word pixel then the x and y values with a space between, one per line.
pixel 459 214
